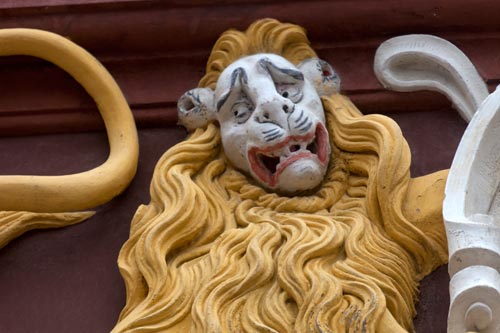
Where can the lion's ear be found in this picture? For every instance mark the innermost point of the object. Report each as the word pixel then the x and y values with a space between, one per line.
pixel 196 108
pixel 321 75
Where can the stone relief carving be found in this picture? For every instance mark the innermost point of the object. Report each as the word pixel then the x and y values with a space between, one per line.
pixel 271 120
pixel 273 215
pixel 235 240
pixel 29 202
pixel 471 213
pixel 471 203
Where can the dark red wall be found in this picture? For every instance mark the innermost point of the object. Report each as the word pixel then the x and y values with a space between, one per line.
pixel 66 280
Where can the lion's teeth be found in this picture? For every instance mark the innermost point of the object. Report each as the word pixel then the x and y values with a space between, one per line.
pixel 286 151
pixel 276 153
pixel 292 148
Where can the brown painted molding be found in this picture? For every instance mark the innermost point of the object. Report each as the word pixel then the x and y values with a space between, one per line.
pixel 156 50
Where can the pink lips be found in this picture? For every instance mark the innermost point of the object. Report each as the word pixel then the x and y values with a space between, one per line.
pixel 268 163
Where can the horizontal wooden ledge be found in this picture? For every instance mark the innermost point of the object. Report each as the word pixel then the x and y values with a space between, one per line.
pixel 34 87
pixel 79 120
pixel 23 4
pixel 47 100
pixel 27 84
pixel 102 4
pixel 117 27
pixel 36 122
pixel 157 51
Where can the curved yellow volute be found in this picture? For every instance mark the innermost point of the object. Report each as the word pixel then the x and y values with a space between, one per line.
pixel 35 202
pixel 90 188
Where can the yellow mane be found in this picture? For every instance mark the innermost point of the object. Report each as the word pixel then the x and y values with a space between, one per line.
pixel 214 252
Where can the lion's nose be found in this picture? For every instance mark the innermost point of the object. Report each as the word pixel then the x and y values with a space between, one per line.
pixel 286 108
pixel 274 112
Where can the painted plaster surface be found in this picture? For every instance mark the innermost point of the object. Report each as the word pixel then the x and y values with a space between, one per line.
pixel 219 249
pixel 471 213
pixel 425 62
pixel 471 207
pixel 271 118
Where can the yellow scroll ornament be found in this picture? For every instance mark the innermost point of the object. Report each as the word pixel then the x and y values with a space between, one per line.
pixel 39 201
pixel 216 252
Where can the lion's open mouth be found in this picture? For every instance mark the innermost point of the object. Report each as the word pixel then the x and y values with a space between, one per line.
pixel 268 163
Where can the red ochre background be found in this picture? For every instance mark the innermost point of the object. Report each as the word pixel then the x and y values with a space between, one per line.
pixel 66 280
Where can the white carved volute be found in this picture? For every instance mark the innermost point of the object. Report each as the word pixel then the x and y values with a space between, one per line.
pixel 425 62
pixel 472 214
pixel 471 208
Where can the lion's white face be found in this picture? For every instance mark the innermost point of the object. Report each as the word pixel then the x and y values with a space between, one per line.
pixel 272 123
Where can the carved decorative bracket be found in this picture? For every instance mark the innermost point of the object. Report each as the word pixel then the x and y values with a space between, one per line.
pixel 471 212
pixel 472 205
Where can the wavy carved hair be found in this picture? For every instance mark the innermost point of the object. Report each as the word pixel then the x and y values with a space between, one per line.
pixel 214 246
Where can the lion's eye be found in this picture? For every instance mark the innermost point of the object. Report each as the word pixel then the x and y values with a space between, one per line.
pixel 291 91
pixel 242 110
pixel 288 81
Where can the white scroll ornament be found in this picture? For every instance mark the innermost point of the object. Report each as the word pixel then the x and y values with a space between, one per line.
pixel 471 208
